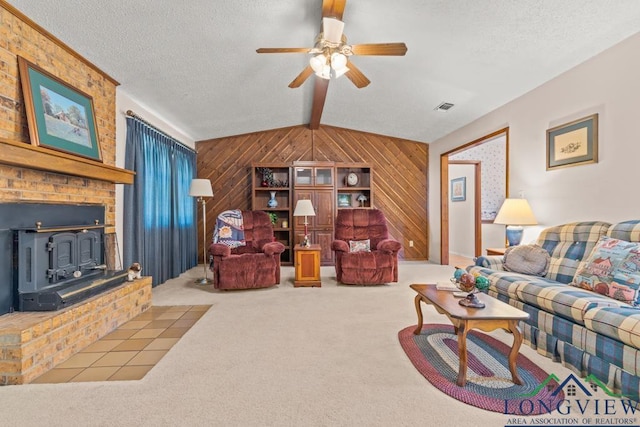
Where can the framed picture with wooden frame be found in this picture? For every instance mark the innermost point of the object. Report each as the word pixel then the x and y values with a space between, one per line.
pixel 573 144
pixel 59 116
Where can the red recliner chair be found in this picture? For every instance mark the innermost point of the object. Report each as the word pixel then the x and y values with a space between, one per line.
pixel 255 265
pixel 357 263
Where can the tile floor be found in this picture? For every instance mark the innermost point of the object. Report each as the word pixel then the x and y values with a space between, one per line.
pixel 130 351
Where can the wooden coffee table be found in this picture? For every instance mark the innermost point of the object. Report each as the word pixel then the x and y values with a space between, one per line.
pixel 496 314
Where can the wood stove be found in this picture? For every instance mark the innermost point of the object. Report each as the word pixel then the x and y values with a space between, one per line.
pixel 54 266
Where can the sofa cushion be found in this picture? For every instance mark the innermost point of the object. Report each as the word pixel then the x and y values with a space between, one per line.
pixel 527 259
pixel 565 301
pixel 568 244
pixel 621 323
pixel 612 269
pixel 626 230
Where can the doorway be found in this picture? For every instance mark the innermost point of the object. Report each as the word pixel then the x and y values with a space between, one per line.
pixel 465 232
pixel 492 154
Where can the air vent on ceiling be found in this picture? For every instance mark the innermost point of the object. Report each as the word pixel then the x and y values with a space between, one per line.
pixel 444 106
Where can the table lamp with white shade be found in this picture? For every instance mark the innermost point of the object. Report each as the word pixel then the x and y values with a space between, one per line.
pixel 201 188
pixel 304 208
pixel 514 213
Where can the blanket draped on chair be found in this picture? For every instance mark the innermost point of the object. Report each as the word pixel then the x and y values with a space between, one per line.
pixel 230 229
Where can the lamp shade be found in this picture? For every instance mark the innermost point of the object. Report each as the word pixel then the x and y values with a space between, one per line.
pixel 332 29
pixel 304 208
pixel 515 212
pixel 200 188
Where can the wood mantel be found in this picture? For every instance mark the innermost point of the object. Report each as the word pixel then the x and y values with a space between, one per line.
pixel 18 153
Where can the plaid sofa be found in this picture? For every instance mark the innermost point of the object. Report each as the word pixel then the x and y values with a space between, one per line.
pixel 589 333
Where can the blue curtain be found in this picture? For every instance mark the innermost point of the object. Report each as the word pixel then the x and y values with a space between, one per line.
pixel 159 215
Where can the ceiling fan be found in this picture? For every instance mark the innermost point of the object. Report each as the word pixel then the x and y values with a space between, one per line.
pixel 330 56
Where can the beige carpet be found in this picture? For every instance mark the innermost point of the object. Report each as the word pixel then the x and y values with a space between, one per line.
pixel 281 356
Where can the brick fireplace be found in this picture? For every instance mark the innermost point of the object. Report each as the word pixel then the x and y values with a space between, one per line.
pixel 31 342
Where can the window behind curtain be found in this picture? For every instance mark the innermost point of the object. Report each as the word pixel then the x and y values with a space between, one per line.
pixel 159 214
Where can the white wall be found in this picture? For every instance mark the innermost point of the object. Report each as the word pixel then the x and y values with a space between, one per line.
pixel 607 84
pixel 125 102
pixel 462 213
pixel 492 156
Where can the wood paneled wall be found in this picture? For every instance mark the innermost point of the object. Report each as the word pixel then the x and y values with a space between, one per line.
pixel 399 168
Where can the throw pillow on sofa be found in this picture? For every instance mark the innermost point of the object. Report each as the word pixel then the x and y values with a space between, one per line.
pixel 526 259
pixel 612 269
pixel 359 246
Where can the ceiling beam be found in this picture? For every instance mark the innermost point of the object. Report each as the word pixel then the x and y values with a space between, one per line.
pixel 333 8
pixel 319 96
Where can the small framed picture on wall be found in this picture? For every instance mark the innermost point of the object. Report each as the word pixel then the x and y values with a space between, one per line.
pixel 573 144
pixel 459 189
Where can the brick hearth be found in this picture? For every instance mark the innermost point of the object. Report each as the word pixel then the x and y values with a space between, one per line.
pixel 31 343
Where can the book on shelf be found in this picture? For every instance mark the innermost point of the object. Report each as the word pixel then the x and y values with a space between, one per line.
pixel 446 286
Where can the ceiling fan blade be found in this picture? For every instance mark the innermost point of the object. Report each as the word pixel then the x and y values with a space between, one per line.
pixel 319 96
pixel 393 49
pixel 333 8
pixel 302 77
pixel 283 50
pixel 356 76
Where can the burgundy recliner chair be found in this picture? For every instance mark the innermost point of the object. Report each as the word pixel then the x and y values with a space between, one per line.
pixel 256 265
pixel 379 265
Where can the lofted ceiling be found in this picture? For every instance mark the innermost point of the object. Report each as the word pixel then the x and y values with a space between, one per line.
pixel 194 63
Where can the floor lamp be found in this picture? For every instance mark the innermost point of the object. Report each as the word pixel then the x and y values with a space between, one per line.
pixel 201 188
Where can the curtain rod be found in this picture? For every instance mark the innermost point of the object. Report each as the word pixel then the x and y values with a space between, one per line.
pixel 130 113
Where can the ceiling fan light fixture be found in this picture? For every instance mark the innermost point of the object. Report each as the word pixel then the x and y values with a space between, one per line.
pixel 318 62
pixel 338 60
pixel 325 72
pixel 340 71
pixel 332 29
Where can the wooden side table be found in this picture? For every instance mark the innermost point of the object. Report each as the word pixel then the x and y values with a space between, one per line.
pixel 307 266
pixel 496 251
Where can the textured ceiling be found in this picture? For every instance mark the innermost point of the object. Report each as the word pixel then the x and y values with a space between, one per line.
pixel 194 62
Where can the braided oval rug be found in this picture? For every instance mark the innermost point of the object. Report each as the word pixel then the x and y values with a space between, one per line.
pixel 434 353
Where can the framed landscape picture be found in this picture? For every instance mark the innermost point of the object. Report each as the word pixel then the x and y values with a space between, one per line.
pixel 59 116
pixel 459 189
pixel 573 144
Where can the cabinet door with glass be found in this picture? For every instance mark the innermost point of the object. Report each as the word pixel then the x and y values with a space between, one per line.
pixel 306 175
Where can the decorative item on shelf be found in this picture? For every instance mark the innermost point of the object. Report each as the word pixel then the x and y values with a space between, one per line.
pixel 285 223
pixel 274 218
pixel 272 203
pixel 344 200
pixel 351 179
pixel 267 177
pixel 362 198
pixel 305 208
pixel 515 213
pixel 201 188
